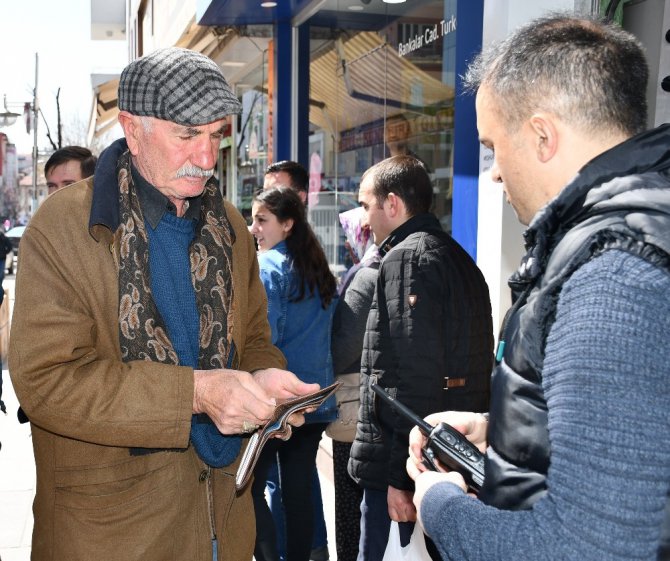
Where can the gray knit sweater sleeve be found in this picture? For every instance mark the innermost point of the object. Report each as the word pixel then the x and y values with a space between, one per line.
pixel 607 382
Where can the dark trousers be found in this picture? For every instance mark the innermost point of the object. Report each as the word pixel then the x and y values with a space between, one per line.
pixel 375 527
pixel 273 489
pixel 348 497
pixel 296 458
pixel 2 278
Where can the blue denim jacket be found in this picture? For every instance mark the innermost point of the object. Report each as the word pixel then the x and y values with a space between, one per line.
pixel 301 330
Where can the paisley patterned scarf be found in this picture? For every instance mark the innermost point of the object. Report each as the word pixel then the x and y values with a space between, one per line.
pixel 142 331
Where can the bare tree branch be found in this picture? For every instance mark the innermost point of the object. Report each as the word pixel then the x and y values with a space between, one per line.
pixel 60 136
pixel 53 144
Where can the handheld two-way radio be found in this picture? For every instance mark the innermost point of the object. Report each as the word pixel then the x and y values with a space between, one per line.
pixel 443 443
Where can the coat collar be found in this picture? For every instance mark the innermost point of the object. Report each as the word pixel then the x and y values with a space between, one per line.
pixel 420 223
pixel 596 189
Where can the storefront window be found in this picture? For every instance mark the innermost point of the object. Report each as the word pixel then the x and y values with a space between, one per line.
pixel 252 147
pixel 251 144
pixel 381 83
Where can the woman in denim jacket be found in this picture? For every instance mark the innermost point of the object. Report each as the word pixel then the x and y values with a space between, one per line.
pixel 302 295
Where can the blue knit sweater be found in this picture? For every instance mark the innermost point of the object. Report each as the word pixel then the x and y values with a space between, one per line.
pixel 174 295
pixel 606 378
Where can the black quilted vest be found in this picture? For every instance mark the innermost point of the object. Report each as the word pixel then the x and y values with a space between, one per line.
pixel 620 200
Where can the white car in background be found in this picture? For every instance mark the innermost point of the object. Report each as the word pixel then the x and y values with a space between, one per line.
pixel 14 236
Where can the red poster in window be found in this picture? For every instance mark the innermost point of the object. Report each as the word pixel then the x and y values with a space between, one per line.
pixel 270 86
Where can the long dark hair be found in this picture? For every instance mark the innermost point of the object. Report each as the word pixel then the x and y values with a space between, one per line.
pixel 307 256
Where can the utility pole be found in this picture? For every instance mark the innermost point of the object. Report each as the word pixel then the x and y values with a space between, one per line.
pixel 35 151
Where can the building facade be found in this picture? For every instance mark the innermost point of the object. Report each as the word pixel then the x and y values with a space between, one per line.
pixel 338 85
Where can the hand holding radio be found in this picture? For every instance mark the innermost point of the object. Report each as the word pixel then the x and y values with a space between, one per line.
pixel 470 426
pixel 443 445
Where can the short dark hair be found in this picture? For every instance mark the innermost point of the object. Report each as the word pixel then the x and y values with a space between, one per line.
pixel 297 173
pixel 588 72
pixel 407 178
pixel 83 155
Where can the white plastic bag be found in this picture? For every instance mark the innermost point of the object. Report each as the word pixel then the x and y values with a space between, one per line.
pixel 415 549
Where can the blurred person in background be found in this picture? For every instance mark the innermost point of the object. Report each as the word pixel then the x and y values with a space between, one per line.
pixel 68 165
pixel 288 174
pixel 351 314
pixel 302 296
pixel 5 250
pixel 138 374
pixel 397 136
pixel 578 439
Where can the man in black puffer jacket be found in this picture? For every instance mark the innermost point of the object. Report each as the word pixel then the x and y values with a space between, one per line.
pixel 428 340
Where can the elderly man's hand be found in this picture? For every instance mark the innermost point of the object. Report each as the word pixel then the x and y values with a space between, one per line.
pixel 239 402
pixel 233 399
pixel 283 384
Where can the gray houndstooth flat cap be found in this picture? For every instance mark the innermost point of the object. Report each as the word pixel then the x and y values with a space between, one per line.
pixel 176 85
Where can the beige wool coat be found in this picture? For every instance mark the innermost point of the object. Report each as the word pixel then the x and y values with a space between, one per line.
pixel 87 407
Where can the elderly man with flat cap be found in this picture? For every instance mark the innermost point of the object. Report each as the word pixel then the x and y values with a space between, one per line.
pixel 140 346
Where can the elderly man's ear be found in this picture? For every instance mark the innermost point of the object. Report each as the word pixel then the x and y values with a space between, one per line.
pixel 546 136
pixel 131 129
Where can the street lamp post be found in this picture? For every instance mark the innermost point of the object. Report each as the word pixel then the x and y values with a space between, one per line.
pixel 8 118
pixel 34 123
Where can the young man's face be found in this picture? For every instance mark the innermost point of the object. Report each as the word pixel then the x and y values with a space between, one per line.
pixel 374 216
pixel 63 174
pixel 281 179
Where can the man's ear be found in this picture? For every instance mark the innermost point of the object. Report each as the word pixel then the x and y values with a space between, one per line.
pixel 131 129
pixel 546 136
pixel 395 205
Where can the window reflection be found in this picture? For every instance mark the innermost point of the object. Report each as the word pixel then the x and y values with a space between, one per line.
pixel 382 82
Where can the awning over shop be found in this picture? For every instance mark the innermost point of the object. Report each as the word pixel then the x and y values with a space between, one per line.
pixel 347 86
pixel 105 109
pixel 210 41
pixel 243 12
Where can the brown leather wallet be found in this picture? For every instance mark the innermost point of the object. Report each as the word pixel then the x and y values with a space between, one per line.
pixel 278 426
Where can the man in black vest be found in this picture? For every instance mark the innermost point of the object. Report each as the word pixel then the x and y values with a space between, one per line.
pixel 578 440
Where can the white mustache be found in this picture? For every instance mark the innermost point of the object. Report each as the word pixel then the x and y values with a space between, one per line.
pixel 193 171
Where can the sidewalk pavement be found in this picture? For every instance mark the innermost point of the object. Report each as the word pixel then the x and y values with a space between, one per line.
pixel 17 480
pixel 17 471
pixel 17 477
